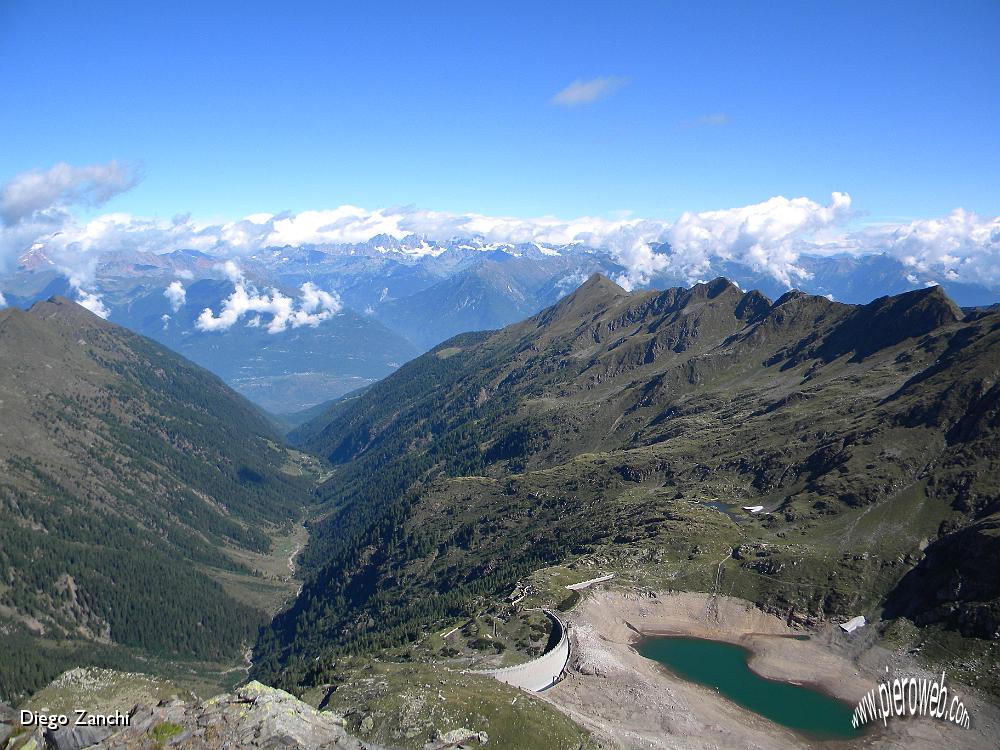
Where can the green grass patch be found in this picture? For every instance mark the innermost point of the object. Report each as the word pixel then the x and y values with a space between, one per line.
pixel 163 731
pixel 411 704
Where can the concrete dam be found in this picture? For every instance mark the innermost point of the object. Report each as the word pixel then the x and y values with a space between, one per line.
pixel 540 673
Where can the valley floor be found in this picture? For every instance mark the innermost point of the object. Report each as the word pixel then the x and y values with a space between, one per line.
pixel 631 702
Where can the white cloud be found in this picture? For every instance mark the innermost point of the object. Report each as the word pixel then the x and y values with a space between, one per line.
pixel 315 299
pixel 962 246
pixel 92 301
pixel 314 306
pixel 35 193
pixel 710 121
pixel 568 283
pixel 3 300
pixel 771 236
pixel 768 236
pixel 176 294
pixel 231 270
pixel 584 92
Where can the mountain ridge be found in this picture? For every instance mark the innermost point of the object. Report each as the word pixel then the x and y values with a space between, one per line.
pixel 131 483
pixel 674 394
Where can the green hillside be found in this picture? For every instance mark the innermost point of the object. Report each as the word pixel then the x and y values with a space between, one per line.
pixel 623 431
pixel 130 481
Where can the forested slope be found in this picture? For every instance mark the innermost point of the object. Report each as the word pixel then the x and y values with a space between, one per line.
pixel 126 473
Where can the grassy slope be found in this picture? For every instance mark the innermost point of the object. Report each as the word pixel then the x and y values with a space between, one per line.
pixel 410 704
pixel 132 482
pixel 594 432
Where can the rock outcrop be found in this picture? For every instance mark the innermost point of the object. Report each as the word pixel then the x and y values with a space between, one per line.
pixel 255 716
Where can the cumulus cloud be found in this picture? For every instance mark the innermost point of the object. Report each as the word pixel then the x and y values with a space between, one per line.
pixel 585 92
pixel 568 283
pixel 34 193
pixel 314 306
pixel 176 295
pixel 315 300
pixel 962 246
pixel 3 300
pixel 232 271
pixel 93 302
pixel 36 206
pixel 770 236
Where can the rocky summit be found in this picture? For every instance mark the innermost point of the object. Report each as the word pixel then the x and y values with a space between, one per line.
pixel 254 716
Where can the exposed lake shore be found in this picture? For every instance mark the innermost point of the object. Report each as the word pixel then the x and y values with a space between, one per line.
pixel 632 702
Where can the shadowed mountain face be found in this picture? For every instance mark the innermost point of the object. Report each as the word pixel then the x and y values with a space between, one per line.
pixel 595 430
pixel 129 477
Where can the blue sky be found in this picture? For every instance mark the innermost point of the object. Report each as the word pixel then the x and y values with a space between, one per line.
pixel 233 108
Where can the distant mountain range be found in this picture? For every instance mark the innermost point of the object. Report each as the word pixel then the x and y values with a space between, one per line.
pixel 399 297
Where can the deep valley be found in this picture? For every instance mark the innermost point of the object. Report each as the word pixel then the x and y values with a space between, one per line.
pixel 613 434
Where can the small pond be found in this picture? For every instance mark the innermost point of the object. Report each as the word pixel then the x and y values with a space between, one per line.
pixel 723 666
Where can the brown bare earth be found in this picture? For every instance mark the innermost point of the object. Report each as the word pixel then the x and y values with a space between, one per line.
pixel 631 702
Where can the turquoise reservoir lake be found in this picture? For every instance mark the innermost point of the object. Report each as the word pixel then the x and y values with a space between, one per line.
pixel 723 666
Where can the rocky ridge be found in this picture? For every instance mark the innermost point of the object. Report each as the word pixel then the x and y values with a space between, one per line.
pixel 254 716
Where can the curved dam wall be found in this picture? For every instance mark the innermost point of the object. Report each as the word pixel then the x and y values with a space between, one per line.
pixel 540 673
